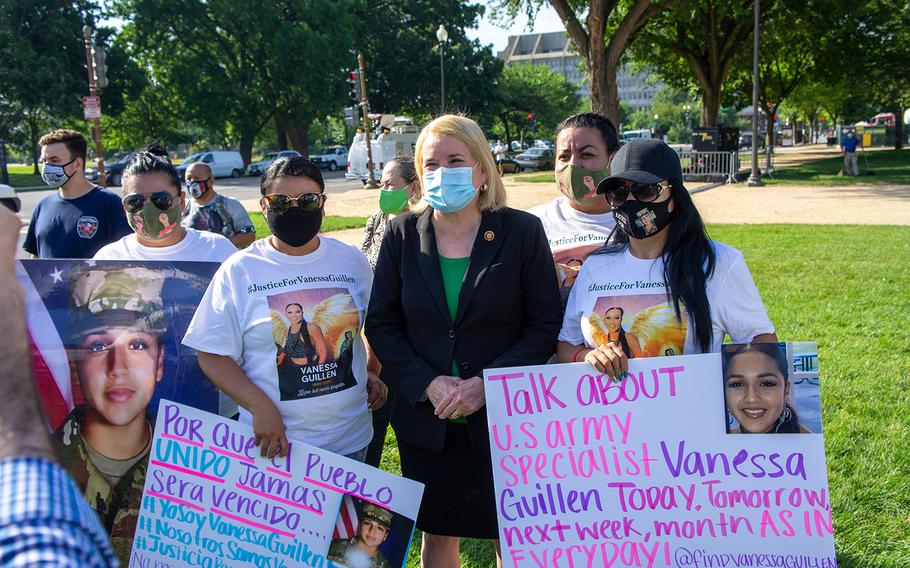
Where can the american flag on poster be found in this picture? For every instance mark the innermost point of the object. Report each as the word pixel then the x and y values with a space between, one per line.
pixel 50 365
pixel 346 523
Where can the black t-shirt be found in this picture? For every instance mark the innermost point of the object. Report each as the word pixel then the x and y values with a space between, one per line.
pixel 75 228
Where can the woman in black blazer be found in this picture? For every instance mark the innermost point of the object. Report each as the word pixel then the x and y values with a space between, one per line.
pixel 464 285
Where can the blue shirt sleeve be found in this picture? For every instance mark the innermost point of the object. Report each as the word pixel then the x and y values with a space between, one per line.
pixel 31 241
pixel 45 520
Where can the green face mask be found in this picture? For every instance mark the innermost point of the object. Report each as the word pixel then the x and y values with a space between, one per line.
pixel 152 223
pixel 580 184
pixel 392 201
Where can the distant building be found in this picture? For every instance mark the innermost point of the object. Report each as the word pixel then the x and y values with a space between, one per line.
pixel 556 51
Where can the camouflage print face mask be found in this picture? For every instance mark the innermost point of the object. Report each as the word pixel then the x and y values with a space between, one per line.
pixel 153 224
pixel 580 184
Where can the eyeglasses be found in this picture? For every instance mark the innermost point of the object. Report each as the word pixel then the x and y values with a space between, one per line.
pixel 617 192
pixel 279 203
pixel 161 199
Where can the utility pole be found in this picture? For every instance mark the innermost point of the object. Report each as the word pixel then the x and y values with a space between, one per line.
pixel 93 92
pixel 366 122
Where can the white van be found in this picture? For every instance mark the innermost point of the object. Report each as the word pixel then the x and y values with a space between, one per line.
pixel 635 135
pixel 396 137
pixel 222 163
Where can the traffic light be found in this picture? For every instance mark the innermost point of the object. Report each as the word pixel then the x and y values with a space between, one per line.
pixel 352 115
pixel 355 92
pixel 532 121
pixel 100 58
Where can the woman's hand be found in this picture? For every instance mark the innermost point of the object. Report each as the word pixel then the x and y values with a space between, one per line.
pixel 377 391
pixel 439 388
pixel 466 398
pixel 269 428
pixel 610 359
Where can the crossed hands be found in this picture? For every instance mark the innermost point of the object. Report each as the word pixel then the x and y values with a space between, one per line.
pixel 453 397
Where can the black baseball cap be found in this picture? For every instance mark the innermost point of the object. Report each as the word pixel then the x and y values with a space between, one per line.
pixel 643 161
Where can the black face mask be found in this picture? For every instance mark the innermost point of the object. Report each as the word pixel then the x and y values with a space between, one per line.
pixel 641 220
pixel 295 227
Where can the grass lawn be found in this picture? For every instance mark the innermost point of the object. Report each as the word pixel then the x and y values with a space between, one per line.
pixel 820 283
pixel 329 223
pixel 888 166
pixel 22 176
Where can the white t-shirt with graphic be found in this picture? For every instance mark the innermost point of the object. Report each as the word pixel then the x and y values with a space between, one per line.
pixel 572 235
pixel 621 298
pixel 196 246
pixel 293 324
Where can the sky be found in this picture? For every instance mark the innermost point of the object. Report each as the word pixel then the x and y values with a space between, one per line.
pixel 490 32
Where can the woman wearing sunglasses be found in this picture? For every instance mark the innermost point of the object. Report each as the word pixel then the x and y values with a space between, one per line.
pixel 681 291
pixel 153 199
pixel 248 327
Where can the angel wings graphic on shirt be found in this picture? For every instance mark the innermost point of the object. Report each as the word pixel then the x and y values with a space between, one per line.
pixel 334 316
pixel 657 329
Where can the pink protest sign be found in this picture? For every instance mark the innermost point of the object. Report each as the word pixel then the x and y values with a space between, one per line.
pixel 653 471
pixel 210 499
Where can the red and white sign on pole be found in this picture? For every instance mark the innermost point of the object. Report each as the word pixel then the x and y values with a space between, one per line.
pixel 91 107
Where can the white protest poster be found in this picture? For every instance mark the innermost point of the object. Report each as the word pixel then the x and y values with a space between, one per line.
pixel 654 471
pixel 211 500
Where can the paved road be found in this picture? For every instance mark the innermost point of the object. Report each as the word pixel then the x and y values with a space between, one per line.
pixel 243 188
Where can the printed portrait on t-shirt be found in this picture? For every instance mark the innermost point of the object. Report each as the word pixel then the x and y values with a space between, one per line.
pixel 314 334
pixel 568 264
pixel 643 325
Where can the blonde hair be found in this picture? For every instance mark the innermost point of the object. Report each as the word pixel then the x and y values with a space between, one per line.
pixel 493 196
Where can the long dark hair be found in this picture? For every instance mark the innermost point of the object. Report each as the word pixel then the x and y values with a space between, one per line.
pixel 689 261
pixel 788 424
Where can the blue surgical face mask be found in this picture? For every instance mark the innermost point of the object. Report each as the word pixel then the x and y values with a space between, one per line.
pixel 54 175
pixel 449 189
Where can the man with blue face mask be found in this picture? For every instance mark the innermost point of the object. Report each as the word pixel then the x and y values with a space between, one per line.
pixel 80 217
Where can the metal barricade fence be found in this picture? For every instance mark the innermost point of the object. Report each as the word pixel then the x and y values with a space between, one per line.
pixel 718 166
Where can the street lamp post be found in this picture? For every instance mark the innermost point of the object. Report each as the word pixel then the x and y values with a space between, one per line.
pixel 657 126
pixel 443 36
pixel 755 175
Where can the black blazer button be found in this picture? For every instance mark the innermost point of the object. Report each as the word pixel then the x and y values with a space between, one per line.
pixel 452 334
pixel 464 366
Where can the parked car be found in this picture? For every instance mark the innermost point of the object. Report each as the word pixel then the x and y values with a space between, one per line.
pixel 331 158
pixel 257 168
pixel 745 140
pixel 222 163
pixel 508 166
pixel 536 159
pixel 544 144
pixel 113 170
pixel 635 135
pixel 518 146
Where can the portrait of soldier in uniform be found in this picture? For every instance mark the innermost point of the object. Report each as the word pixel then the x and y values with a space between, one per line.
pixel 116 321
pixel 362 550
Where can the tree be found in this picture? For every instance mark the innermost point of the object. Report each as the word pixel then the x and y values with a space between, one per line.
pixel 600 36
pixel 43 69
pixel 398 41
pixel 237 65
pixel 534 89
pixel 699 39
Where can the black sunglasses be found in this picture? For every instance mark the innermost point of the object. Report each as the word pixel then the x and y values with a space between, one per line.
pixel 161 199
pixel 280 203
pixel 617 192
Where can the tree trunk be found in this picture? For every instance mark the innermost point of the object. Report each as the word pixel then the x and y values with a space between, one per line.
pixel 899 128
pixel 33 138
pixel 4 172
pixel 298 137
pixel 280 132
pixel 710 105
pixel 246 146
pixel 505 124
pixel 604 93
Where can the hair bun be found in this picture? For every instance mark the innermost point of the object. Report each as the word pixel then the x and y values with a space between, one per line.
pixel 156 149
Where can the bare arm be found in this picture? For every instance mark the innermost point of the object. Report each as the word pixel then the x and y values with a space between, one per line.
pixel 268 426
pixel 241 240
pixel 23 429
